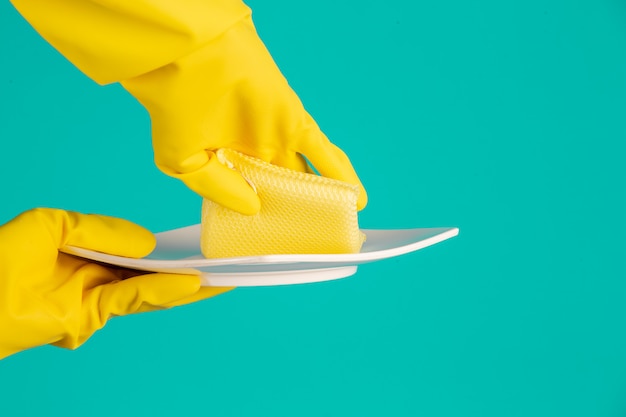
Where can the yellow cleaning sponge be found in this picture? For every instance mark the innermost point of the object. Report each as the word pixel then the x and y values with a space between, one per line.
pixel 300 213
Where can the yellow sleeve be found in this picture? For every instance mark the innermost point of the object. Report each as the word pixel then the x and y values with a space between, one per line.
pixel 113 40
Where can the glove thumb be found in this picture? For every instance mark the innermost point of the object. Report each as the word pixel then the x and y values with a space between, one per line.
pixel 220 184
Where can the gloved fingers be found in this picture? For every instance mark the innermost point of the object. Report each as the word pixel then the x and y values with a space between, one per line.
pixel 222 185
pixel 106 275
pixel 138 294
pixel 202 294
pixel 91 231
pixel 290 160
pixel 330 161
pixel 134 295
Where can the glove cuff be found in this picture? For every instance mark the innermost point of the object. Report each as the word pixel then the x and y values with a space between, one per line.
pixel 112 40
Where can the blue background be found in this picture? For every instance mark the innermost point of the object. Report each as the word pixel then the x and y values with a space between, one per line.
pixel 505 119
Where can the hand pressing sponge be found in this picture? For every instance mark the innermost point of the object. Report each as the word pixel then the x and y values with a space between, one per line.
pixel 300 213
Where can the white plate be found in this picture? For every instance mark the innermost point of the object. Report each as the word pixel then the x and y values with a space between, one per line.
pixel 178 251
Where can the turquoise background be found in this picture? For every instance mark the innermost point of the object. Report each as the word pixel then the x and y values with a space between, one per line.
pixel 506 119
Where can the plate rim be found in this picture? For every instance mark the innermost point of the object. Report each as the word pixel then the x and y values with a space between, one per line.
pixel 278 259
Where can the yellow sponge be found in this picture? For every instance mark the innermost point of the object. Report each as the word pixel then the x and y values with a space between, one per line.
pixel 300 213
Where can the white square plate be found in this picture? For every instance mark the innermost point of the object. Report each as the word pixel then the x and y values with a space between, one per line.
pixel 178 251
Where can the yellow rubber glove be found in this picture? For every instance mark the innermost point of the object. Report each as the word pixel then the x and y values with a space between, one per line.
pixel 48 297
pixel 230 94
pixel 207 81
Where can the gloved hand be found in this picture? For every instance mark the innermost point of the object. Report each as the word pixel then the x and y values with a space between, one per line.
pixel 230 94
pixel 48 297
pixel 205 77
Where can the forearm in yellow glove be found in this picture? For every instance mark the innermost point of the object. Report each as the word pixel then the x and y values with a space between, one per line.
pixel 48 297
pixel 207 80
pixel 112 40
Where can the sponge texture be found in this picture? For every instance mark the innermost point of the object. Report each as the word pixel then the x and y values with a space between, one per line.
pixel 300 213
